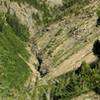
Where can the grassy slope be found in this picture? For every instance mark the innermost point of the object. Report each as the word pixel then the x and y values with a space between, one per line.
pixel 13 70
pixel 74 84
pixel 48 15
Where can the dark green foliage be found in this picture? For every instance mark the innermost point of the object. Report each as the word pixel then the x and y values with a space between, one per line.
pixel 74 84
pixel 36 18
pixel 98 13
pixel 2 21
pixel 98 19
pixel 96 48
pixel 98 22
pixel 19 29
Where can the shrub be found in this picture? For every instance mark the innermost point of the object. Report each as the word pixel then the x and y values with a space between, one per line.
pixel 98 13
pixel 96 48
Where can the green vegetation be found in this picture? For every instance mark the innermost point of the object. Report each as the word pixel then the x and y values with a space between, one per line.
pixel 19 29
pixel 98 13
pixel 13 70
pixel 98 19
pixel 72 84
pixel 75 83
pixel 50 15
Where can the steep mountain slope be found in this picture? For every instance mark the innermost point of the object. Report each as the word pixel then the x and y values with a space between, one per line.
pixel 61 37
pixel 79 31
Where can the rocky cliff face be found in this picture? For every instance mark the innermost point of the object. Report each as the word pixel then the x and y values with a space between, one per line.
pixel 60 39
